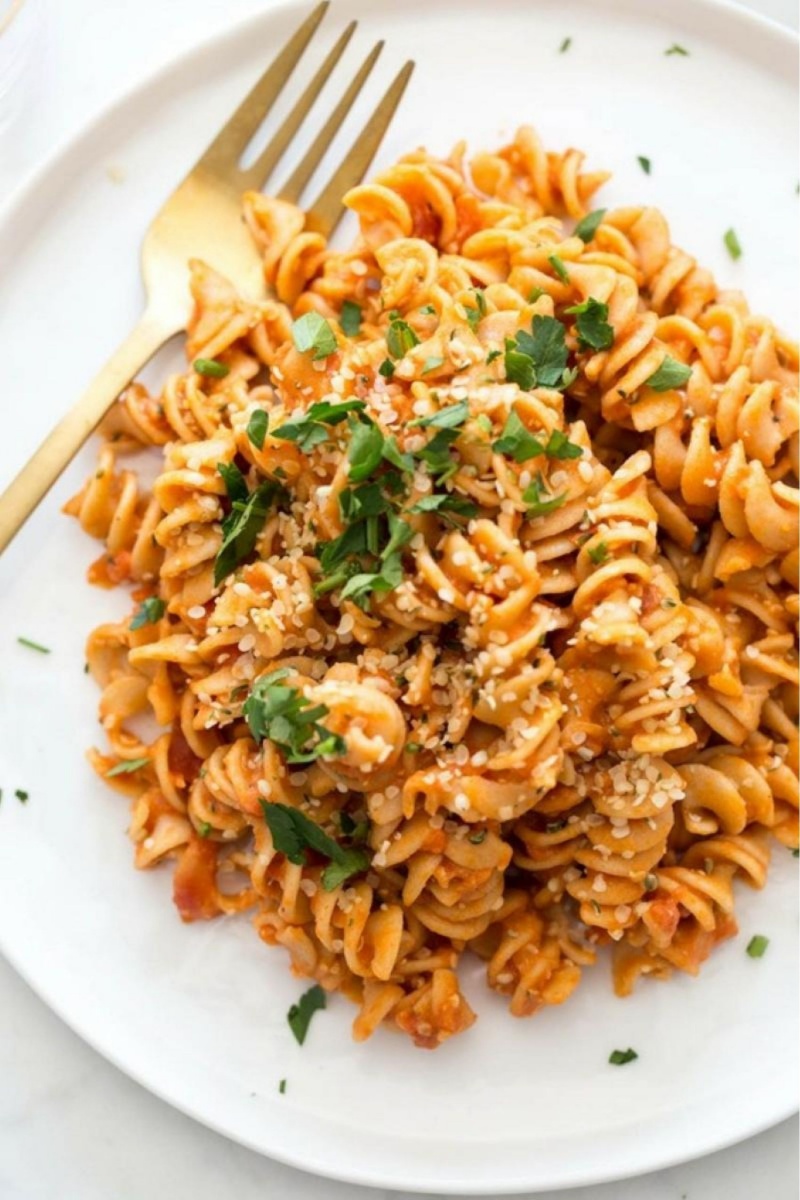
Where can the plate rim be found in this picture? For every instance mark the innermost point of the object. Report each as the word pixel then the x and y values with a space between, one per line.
pixel 48 172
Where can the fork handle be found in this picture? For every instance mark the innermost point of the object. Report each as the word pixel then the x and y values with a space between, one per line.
pixel 61 445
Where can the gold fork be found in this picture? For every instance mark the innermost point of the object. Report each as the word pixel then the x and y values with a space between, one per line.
pixel 202 219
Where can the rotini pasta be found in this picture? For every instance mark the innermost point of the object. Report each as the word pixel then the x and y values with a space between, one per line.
pixel 465 596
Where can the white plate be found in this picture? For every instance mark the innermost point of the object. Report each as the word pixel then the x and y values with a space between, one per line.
pixel 197 1013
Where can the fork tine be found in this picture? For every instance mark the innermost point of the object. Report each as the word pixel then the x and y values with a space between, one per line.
pixel 326 211
pixel 294 185
pixel 255 175
pixel 226 149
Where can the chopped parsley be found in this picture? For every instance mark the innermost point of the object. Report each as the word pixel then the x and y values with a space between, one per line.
pixel 757 946
pixel 559 446
pixel 310 430
pixel 534 496
pixel 149 612
pixel 618 1058
pixel 293 833
pixel 23 641
pixel 127 767
pixel 428 310
pixel 365 449
pixel 644 163
pixel 204 829
pixel 386 369
pixel 558 266
pixel 281 713
pixel 350 318
pixel 516 441
pixel 413 747
pixel 587 228
pixel 732 244
pixel 244 522
pixel 282 1087
pixel 432 364
pixel 400 338
pixel 444 502
pixel 475 314
pixel 257 428
pixel 599 553
pixel 21 795
pixel 671 374
pixel 565 45
pixel 650 882
pixel 676 49
pixel 521 445
pixel 300 1014
pixel 594 331
pixel 211 368
pixel 452 416
pixel 312 333
pixel 478 838
pixel 539 358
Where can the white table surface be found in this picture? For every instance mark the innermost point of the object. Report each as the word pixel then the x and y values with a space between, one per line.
pixel 71 1125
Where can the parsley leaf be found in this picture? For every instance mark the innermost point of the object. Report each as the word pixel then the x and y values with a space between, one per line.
pixel 300 1014
pixel 732 244
pixel 436 454
pixel 565 45
pixel 211 368
pixel 537 506
pixel 444 502
pixel 350 318
pixel 671 374
pixel 234 480
pixel 283 714
pixel 257 428
pixel 594 331
pixel 244 522
pixel 587 228
pixel 644 163
pixel 127 767
pixel 558 266
pixel 400 338
pixel 365 450
pixel 312 332
pixel 559 446
pixel 452 416
pixel 432 363
pixel 517 441
pixel 397 457
pixel 548 350
pixel 309 430
pixel 599 553
pixel 293 833
pixel 474 315
pixel 676 49
pixel 520 367
pixel 757 946
pixel 618 1058
pixel 492 355
pixel 348 862
pixel 386 369
pixel 149 611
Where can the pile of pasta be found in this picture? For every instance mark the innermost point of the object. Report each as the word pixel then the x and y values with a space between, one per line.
pixel 464 597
